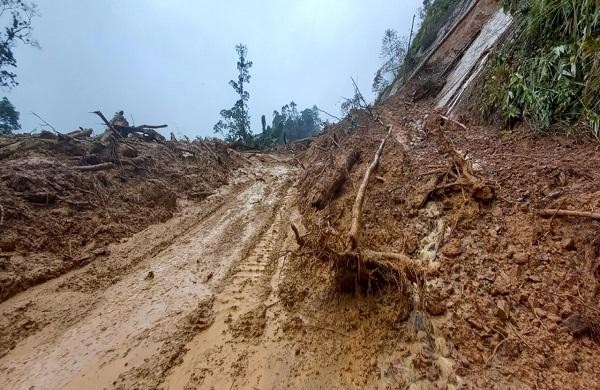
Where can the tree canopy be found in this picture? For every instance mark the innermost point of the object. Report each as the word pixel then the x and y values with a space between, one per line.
pixel 18 29
pixel 235 122
pixel 9 117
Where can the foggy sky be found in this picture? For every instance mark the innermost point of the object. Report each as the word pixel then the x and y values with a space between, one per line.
pixel 169 61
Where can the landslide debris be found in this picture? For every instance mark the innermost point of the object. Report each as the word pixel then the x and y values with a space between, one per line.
pixel 511 294
pixel 64 198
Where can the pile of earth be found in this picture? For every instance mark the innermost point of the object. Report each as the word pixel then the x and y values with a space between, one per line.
pixel 511 294
pixel 64 198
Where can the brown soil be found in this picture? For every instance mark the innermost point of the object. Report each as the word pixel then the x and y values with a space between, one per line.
pixel 56 218
pixel 223 295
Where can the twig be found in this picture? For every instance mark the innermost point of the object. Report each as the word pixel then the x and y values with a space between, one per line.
pixel 97 167
pixel 44 122
pixel 299 238
pixel 487 363
pixel 334 141
pixel 331 115
pixel 453 120
pixel 568 213
pixel 327 329
pixel 1 215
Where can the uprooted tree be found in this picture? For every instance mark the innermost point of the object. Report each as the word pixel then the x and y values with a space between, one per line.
pixel 235 122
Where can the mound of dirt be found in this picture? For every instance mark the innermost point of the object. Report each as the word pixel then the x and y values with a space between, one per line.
pixel 65 198
pixel 511 298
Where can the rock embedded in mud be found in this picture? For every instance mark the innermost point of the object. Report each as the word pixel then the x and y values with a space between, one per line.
pixel 503 311
pixel 453 249
pixel 576 324
pixel 521 258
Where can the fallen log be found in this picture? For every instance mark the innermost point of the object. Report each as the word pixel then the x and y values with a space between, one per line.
pixel 550 213
pixel 360 196
pixel 323 197
pixel 96 167
pixel 81 133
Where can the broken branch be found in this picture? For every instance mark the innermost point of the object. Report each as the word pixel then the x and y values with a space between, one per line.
pixel 360 196
pixel 548 213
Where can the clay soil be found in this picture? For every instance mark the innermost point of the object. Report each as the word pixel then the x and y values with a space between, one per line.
pixel 216 291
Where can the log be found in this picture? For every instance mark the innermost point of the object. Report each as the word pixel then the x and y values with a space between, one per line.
pixel 97 167
pixel 81 133
pixel 340 176
pixel 360 196
pixel 549 213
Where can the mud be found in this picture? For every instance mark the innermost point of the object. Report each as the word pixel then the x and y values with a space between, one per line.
pixel 222 295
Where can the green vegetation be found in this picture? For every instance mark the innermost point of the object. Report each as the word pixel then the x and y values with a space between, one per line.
pixel 290 124
pixel 9 117
pixel 235 125
pixel 19 28
pixel 549 75
pixel 434 15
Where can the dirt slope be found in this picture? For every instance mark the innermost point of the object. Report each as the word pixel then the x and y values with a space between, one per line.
pixel 57 217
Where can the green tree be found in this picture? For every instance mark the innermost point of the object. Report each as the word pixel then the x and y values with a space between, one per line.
pixel 9 117
pixel 19 28
pixel 290 124
pixel 393 52
pixel 235 122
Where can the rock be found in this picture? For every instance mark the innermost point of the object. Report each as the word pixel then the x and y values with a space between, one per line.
pixel 569 244
pixel 521 258
pixel 501 285
pixel 503 311
pixel 534 278
pixel 576 324
pixel 544 258
pixel 452 249
pixel 149 276
pixel 435 308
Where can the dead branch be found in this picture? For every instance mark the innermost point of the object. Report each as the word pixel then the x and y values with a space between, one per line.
pixel 453 120
pixel 299 238
pixel 97 167
pixel 323 197
pixel 44 122
pixel 331 115
pixel 211 152
pixel 81 133
pixel 360 196
pixel 548 213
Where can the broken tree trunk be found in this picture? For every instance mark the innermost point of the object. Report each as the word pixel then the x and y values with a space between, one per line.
pixel 81 133
pixel 360 196
pixel 340 176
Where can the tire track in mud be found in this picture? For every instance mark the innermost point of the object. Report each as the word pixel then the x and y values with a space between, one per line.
pixel 120 338
pixel 232 350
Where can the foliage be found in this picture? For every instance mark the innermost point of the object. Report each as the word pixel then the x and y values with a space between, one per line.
pixel 393 52
pixel 551 74
pixel 18 15
pixel 9 117
pixel 289 124
pixel 354 103
pixel 434 15
pixel 235 125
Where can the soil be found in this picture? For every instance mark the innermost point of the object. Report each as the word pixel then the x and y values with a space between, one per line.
pixel 221 294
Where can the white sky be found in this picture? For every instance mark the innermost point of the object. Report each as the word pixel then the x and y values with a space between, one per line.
pixel 169 61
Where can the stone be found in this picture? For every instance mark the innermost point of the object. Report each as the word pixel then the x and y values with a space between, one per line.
pixel 502 310
pixel 521 258
pixel 569 244
pixel 452 249
pixel 576 324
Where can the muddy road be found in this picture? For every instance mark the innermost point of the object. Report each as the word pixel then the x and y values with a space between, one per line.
pixel 162 309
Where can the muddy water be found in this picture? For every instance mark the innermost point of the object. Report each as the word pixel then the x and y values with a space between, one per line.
pixel 124 326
